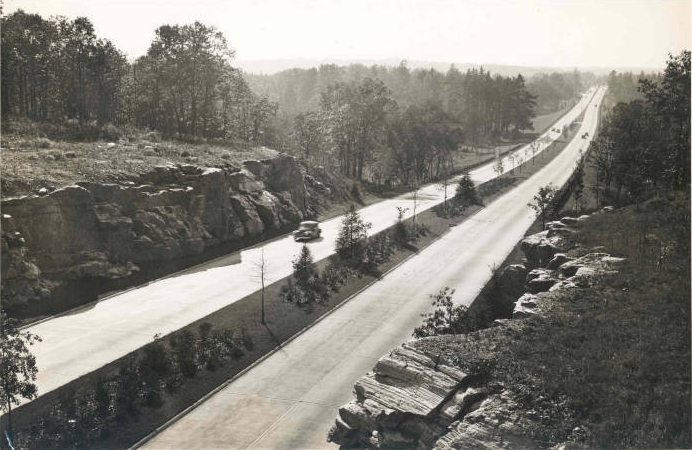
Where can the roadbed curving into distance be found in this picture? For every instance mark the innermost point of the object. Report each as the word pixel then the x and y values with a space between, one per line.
pixel 290 399
pixel 87 338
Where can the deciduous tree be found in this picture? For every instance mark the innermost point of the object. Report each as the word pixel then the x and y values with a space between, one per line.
pixel 17 366
pixel 447 318
pixel 541 202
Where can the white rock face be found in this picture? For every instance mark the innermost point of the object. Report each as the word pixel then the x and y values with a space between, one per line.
pixel 407 401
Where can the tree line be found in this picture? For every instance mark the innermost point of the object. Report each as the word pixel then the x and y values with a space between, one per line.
pixel 397 125
pixel 624 86
pixel 643 147
pixel 298 90
pixel 555 90
pixel 380 124
pixel 360 128
pixel 56 70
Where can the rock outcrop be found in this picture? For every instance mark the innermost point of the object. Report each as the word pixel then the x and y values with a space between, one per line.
pixel 94 231
pixel 540 248
pixel 21 278
pixel 413 401
pixel 512 278
pixel 539 280
pixel 408 401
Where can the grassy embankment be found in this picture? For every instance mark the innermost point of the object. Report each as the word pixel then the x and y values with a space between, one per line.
pixel 283 320
pixel 31 161
pixel 609 365
pixel 611 361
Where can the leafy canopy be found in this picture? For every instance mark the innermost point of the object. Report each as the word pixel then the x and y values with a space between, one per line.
pixel 17 365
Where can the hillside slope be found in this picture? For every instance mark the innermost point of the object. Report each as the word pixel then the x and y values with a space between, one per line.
pixel 597 355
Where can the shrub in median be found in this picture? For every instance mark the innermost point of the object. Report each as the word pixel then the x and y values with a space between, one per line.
pixel 80 419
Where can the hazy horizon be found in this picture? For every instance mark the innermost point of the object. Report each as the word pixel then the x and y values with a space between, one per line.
pixel 533 33
pixel 271 66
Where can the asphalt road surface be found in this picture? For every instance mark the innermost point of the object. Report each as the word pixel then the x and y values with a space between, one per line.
pixel 290 400
pixel 85 339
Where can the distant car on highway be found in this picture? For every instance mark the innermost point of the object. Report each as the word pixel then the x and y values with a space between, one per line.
pixel 310 229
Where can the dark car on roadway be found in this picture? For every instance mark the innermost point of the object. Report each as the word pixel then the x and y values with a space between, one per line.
pixel 307 230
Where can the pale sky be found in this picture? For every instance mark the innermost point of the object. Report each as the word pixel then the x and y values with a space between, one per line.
pixel 555 33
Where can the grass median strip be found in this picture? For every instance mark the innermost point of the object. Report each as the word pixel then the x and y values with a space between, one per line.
pixel 230 340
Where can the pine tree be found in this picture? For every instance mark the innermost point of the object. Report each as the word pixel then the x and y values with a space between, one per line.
pixel 304 271
pixel 350 243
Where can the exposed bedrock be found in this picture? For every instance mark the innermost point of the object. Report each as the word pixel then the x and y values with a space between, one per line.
pixel 415 400
pixel 95 232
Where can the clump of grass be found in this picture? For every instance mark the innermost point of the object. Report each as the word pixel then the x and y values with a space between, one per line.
pixel 36 143
pixel 609 365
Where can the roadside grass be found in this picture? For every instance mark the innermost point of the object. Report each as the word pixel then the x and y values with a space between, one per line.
pixel 609 365
pixel 32 161
pixel 545 121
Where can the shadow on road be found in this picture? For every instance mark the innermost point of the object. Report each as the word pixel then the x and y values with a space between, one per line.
pixel 276 339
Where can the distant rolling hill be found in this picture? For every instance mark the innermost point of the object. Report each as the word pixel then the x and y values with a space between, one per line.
pixel 270 66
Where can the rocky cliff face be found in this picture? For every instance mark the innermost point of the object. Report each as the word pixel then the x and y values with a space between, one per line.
pixel 94 232
pixel 414 399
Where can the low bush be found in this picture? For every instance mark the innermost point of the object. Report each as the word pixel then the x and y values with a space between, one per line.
pixel 79 420
pixel 448 318
pixel 36 143
pixel 466 193
pixel 110 132
pixel 76 130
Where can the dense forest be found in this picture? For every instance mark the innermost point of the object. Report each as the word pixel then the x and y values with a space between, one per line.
pixel 643 147
pixel 624 87
pixel 59 71
pixel 382 124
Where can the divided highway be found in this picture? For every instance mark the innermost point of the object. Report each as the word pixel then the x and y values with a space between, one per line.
pixel 85 339
pixel 290 400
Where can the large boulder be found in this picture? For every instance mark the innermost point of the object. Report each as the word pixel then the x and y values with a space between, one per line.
pixel 512 279
pixel 245 182
pixel 567 220
pixel 267 206
pixel 525 306
pixel 280 174
pixel 539 248
pixel 555 224
pixel 246 212
pixel 539 280
pixel 558 260
pixel 496 424
pixel 569 268
pixel 21 279
pixel 406 402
